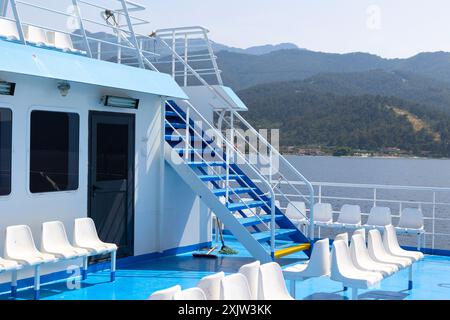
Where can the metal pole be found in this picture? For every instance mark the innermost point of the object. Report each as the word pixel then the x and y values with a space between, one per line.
pixel 133 35
pixel 18 21
pixel 3 7
pixel 186 52
pixel 174 48
pixel 374 197
pixel 434 223
pixel 186 146
pixel 83 30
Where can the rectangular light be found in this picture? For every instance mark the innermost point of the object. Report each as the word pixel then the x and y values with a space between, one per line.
pixel 118 102
pixel 7 88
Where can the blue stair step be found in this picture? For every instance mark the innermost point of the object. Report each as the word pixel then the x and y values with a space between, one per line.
pixel 194 151
pixel 253 221
pixel 247 205
pixel 207 164
pixel 223 192
pixel 171 114
pixel 209 178
pixel 265 235
pixel 176 126
pixel 177 138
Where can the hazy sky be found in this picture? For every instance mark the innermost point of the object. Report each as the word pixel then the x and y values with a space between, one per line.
pixel 390 28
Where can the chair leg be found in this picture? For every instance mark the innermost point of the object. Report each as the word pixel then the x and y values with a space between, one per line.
pixel 410 278
pixel 293 285
pixel 113 265
pixel 84 271
pixel 37 282
pixel 14 284
pixel 354 293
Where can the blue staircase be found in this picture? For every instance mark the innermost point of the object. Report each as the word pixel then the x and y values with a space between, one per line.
pixel 229 192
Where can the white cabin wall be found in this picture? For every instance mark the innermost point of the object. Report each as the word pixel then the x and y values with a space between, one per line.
pixel 22 207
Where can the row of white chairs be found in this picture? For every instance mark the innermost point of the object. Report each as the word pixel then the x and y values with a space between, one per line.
pixel 350 217
pixel 253 282
pixel 21 251
pixel 358 266
pixel 37 36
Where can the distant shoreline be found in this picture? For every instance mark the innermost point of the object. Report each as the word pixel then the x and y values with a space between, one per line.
pixel 356 156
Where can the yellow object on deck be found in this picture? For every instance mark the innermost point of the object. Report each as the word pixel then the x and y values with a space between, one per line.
pixel 285 252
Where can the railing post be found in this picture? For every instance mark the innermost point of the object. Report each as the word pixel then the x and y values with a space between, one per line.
pixel 99 51
pixel 320 194
pixel 434 222
pixel 311 213
pixel 83 30
pixel 133 35
pixel 272 226
pixel 271 165
pixel 186 53
pixel 374 197
pixel 187 141
pixel 18 21
pixel 174 48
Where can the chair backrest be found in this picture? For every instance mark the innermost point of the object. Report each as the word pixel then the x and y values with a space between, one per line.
pixel 62 41
pixel 342 236
pixel 166 294
pixel 235 287
pixel 390 239
pixel 251 272
pixel 350 214
pixel 190 294
pixel 380 216
pixel 296 210
pixel 8 29
pixel 375 244
pixel 323 212
pixel 411 218
pixel 341 262
pixel 320 263
pixel 36 35
pixel 210 285
pixel 53 235
pixel 358 249
pixel 272 284
pixel 85 231
pixel 19 239
pixel 362 233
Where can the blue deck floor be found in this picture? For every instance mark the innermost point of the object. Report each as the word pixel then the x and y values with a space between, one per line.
pixel 137 282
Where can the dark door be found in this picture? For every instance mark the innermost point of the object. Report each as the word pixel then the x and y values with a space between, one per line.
pixel 111 178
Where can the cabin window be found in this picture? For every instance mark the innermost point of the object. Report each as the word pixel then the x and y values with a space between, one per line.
pixel 54 151
pixel 5 151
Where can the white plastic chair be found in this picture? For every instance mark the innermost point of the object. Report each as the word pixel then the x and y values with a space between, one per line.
pixel 350 217
pixel 379 217
pixel 362 260
pixel 13 267
pixel 362 233
pixel 318 266
pixel 343 270
pixel 412 222
pixel 8 30
pixel 54 241
pixel 20 247
pixel 85 236
pixel 323 216
pixel 272 285
pixel 190 294
pixel 392 246
pixel 378 253
pixel 36 36
pixel 210 286
pixel 296 212
pixel 166 294
pixel 251 272
pixel 342 236
pixel 235 287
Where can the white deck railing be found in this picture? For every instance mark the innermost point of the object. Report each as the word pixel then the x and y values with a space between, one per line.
pixel 434 202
